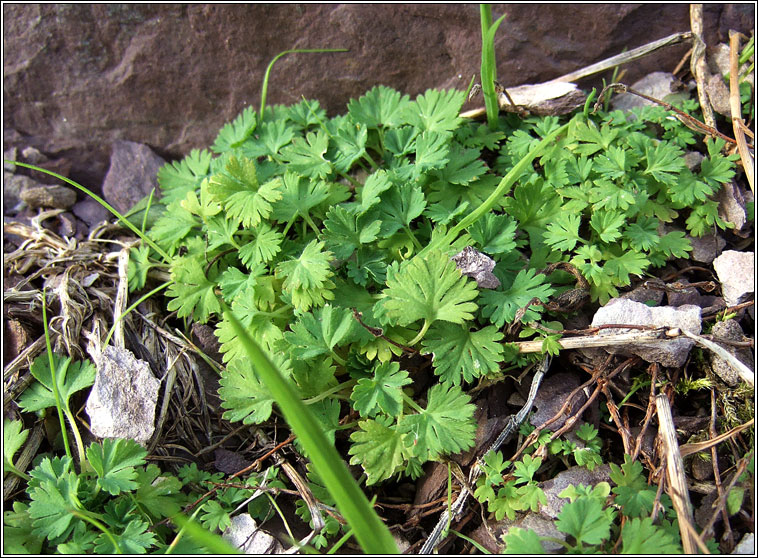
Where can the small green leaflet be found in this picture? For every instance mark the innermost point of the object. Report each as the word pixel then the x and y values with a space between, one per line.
pixel 70 377
pixel 191 291
pixel 375 184
pixel 400 205
pixel 380 448
pixel 54 490
pixel 180 177
pixel 436 111
pixel 244 395
pixel 306 278
pixel 382 392
pixel 640 536
pixel 494 233
pixel 445 426
pixel 156 491
pixel 429 288
pixel 317 333
pixel 238 191
pixel 523 542
pixel 501 305
pixel 114 462
pixel 306 156
pixel 460 354
pixel 13 438
pixel 431 152
pixel 584 520
pixel 261 245
pixel 345 231
pixel 299 196
pixel 563 232
pixel 380 106
pixel 234 133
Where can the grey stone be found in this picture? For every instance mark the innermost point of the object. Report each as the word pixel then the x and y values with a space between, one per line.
pixel 644 294
pixel 718 94
pixel 706 248
pixel 730 329
pixel 10 155
pixel 122 401
pixel 693 159
pixel 91 212
pixel 680 294
pixel 668 352
pixel 656 84
pixel 473 263
pixel 159 74
pixel 746 545
pixel 132 174
pixel 48 195
pixel 732 205
pixel 243 533
pixel 736 272
pixel 573 476
pixel 552 395
pixel 33 156
pixel 12 186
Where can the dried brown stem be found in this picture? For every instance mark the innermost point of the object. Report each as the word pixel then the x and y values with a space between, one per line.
pixel 738 124
pixel 677 482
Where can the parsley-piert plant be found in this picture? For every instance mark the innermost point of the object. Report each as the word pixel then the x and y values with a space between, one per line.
pixel 331 240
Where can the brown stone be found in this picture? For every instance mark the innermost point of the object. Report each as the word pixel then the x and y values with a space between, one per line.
pixel 79 76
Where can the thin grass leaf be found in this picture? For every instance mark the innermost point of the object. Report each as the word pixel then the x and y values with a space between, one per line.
pixel 372 534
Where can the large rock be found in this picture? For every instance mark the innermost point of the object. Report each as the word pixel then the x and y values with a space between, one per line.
pixel 79 76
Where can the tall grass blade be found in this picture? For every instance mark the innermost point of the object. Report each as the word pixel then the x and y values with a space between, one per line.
pixel 371 533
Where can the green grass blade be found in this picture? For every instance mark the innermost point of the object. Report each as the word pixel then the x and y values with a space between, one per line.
pixel 123 220
pixel 502 189
pixel 488 70
pixel 212 542
pixel 264 87
pixel 371 533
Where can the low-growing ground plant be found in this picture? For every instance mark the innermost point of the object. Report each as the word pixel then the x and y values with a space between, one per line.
pixel 320 249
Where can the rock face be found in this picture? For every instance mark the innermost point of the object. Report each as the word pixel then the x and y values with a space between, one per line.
pixel 77 77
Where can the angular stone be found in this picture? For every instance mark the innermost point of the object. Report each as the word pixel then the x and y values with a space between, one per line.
pixel 132 174
pixel 706 248
pixel 668 352
pixel 573 476
pixel 48 195
pixel 730 329
pixel 736 272
pixel 122 401
pixel 91 212
pixel 477 265
pixel 244 533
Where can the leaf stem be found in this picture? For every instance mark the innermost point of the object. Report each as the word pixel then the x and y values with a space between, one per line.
pixel 413 238
pixel 411 403
pixel 421 333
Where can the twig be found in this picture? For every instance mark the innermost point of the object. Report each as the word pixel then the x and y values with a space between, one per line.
pixel 690 121
pixel 625 57
pixel 379 332
pixel 697 63
pixel 677 483
pixel 696 447
pixel 717 472
pixel 747 375
pixel 510 427
pixel 610 340
pixel 736 109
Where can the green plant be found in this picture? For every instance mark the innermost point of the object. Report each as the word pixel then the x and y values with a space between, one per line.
pixel 488 72
pixel 590 519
